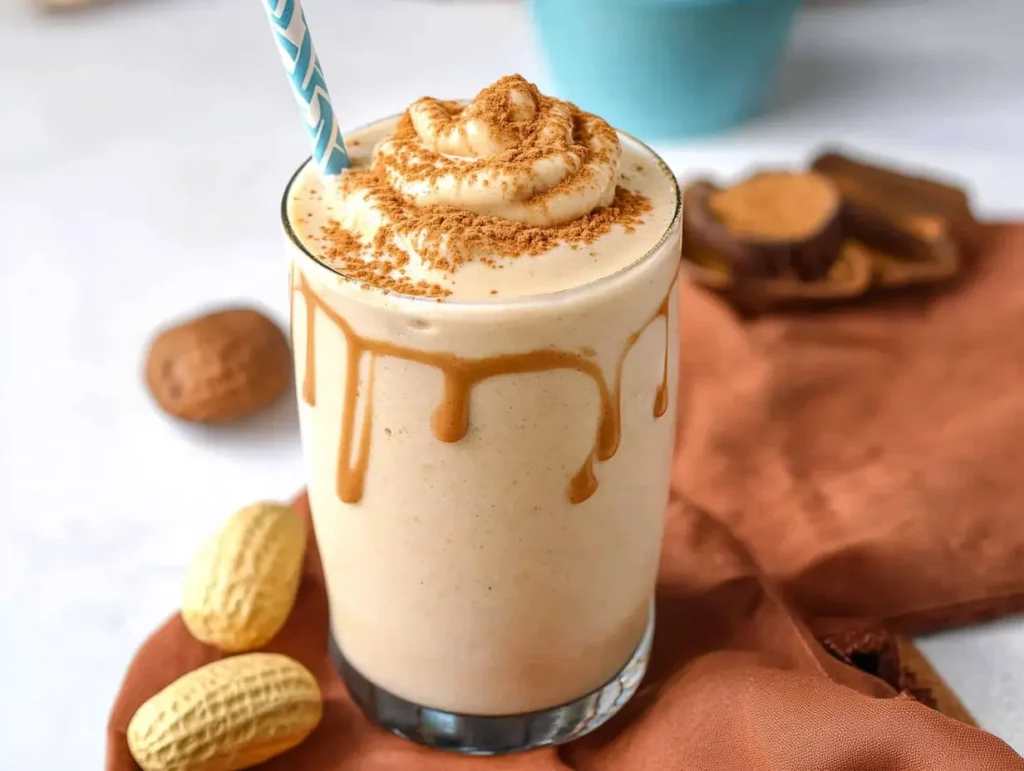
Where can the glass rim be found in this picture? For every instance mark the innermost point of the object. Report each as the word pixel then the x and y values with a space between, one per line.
pixel 485 303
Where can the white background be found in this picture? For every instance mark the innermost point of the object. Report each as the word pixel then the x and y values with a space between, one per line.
pixel 143 151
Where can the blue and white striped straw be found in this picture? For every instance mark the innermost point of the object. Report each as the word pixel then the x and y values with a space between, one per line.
pixel 288 25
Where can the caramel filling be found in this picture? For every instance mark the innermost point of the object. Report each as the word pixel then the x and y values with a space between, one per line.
pixel 777 206
pixel 451 418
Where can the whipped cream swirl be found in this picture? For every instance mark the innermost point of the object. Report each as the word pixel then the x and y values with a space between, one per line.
pixel 511 153
pixel 513 172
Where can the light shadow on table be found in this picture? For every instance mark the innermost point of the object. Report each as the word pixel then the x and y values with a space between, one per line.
pixel 278 424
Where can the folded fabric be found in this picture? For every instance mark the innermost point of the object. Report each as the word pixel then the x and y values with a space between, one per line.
pixel 736 682
pixel 869 457
pixel 860 466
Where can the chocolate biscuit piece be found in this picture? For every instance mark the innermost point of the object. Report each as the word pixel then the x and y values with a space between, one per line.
pixel 869 648
pixel 903 195
pixel 927 686
pixel 776 224
pixel 916 226
pixel 849 275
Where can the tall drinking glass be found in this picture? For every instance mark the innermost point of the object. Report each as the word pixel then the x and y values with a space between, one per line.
pixel 488 482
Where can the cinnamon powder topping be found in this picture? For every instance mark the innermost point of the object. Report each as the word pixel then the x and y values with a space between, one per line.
pixel 782 205
pixel 511 175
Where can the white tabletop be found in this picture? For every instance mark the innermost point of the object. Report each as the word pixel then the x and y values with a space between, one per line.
pixel 143 151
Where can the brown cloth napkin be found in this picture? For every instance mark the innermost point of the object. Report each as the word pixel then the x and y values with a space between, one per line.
pixel 870 458
pixel 736 682
pixel 860 464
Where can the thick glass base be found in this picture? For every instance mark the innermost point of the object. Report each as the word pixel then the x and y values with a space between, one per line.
pixel 496 735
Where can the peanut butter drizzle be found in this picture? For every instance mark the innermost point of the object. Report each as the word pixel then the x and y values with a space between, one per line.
pixel 291 302
pixel 584 482
pixel 309 378
pixel 351 476
pixel 661 395
pixel 450 421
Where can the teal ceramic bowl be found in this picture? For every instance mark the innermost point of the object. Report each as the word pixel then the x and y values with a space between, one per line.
pixel 665 69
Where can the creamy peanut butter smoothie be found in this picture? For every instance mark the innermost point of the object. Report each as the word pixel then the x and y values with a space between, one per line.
pixel 484 319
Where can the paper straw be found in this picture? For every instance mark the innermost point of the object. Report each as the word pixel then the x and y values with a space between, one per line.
pixel 288 24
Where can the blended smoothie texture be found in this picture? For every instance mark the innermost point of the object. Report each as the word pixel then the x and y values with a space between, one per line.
pixel 484 318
